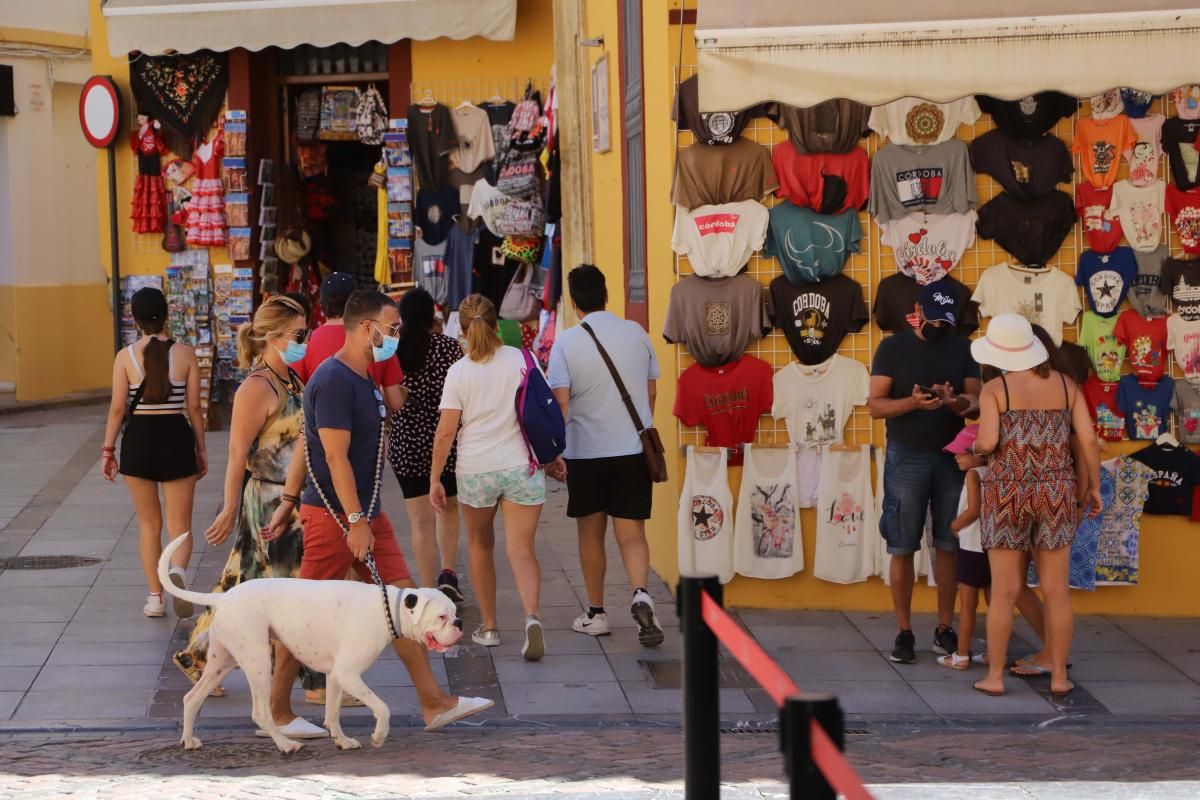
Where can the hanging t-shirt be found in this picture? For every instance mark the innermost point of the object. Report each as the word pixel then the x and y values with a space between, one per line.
pixel 1181 279
pixel 719 240
pixel 1143 155
pixel 1031 116
pixel 705 521
pixel 711 175
pixel 1187 412
pixel 1026 168
pixel 1085 547
pixel 1146 408
pixel 1031 230
pixel 1101 398
pixel 1184 210
pixel 727 401
pixel 911 120
pixel 815 317
pixel 473 129
pixel 709 127
pixel 1105 278
pixel 489 204
pixel 928 246
pixel 811 246
pixel 1102 230
pixel 847 527
pixel 464 184
pixel 435 212
pixel 1121 522
pixel 826 182
pixel 716 318
pixel 937 179
pixel 459 258
pixel 1146 294
pixel 1099 144
pixel 1183 337
pixel 1175 471
pixel 429 268
pixel 897 295
pixel 1145 339
pixel 431 138
pixel 1187 101
pixel 969 538
pixel 1105 350
pixel 1140 209
pixel 1107 104
pixel 1047 298
pixel 766 539
pixel 1136 103
pixel 492 271
pixel 817 400
pixel 834 126
pixel 1178 142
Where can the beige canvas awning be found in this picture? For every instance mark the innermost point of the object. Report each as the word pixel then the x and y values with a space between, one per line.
pixel 156 26
pixel 754 51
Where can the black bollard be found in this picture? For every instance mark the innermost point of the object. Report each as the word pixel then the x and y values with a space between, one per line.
pixel 795 739
pixel 701 709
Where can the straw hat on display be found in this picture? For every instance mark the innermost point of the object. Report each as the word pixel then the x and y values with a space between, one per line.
pixel 292 246
pixel 1009 344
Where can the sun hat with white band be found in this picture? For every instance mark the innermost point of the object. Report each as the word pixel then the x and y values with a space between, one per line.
pixel 1009 344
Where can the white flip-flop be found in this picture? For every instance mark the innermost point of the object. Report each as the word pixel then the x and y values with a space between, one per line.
pixel 299 728
pixel 466 707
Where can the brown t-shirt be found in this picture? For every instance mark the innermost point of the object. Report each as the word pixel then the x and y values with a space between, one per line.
pixel 710 127
pixel 716 318
pixel 710 175
pixel 834 126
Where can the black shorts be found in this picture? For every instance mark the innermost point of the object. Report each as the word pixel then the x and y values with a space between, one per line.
pixel 619 486
pixel 158 447
pixel 418 486
pixel 972 569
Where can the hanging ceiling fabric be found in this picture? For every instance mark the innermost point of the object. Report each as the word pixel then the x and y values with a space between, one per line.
pixel 752 51
pixel 185 26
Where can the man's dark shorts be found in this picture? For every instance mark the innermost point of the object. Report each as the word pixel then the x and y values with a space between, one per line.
pixel 619 486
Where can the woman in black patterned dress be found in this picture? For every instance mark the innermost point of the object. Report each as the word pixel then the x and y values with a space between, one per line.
pixel 425 356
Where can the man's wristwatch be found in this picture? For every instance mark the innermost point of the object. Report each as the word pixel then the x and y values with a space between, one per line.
pixel 354 517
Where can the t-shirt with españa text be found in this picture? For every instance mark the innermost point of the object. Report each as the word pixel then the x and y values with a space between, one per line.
pixel 727 400
pixel 815 317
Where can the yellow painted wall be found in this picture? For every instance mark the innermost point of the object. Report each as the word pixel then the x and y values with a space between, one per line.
pixel 528 55
pixel 64 337
pixel 8 335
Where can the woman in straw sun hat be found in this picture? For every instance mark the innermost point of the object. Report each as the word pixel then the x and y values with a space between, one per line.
pixel 1031 500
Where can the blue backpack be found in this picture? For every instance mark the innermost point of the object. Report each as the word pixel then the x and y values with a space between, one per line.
pixel 539 416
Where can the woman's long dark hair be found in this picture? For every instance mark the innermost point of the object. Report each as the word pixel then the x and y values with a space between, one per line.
pixel 157 382
pixel 416 312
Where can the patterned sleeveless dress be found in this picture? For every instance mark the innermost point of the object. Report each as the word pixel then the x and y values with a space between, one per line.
pixel 251 557
pixel 1029 491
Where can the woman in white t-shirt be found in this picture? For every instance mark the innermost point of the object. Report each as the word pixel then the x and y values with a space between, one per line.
pixel 493 469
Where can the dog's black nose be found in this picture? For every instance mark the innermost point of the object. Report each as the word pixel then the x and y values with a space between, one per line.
pixel 458 624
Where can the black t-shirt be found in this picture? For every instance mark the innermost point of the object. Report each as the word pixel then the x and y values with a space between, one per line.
pixel 431 137
pixel 1030 116
pixel 710 127
pixel 1025 168
pixel 815 317
pixel 435 213
pixel 1030 230
pixel 492 272
pixel 1181 280
pixel 1178 142
pixel 908 359
pixel 1176 472
pixel 898 293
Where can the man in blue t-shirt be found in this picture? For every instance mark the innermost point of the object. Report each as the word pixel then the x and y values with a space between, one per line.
pixel 344 412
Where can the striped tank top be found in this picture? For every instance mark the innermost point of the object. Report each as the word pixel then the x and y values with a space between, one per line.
pixel 175 398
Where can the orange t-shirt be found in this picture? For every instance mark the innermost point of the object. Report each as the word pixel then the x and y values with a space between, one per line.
pixel 1099 144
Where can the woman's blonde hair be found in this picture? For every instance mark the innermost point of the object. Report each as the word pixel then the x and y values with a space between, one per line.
pixel 477 316
pixel 272 319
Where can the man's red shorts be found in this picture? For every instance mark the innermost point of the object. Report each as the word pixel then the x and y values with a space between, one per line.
pixel 327 557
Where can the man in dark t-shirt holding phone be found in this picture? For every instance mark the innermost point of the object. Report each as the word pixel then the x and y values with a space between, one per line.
pixel 923 383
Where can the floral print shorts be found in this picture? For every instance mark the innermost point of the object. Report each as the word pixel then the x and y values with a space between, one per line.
pixel 485 489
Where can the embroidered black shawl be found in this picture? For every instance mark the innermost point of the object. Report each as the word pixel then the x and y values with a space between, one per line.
pixel 184 92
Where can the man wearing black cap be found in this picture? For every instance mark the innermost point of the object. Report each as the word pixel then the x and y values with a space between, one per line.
pixel 923 382
pixel 329 338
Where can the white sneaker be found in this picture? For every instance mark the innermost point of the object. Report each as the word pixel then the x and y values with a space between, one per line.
pixel 183 608
pixel 535 640
pixel 650 633
pixel 155 607
pixel 592 626
pixel 299 728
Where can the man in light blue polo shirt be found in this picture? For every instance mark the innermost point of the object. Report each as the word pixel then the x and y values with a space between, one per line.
pixel 606 472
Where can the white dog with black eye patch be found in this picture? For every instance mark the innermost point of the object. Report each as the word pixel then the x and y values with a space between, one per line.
pixel 334 627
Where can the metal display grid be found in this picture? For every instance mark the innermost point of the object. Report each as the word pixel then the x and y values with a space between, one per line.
pixel 874 261
pixel 476 90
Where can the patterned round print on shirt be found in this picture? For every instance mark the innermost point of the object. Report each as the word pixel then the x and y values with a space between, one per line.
pixel 1107 105
pixel 708 517
pixel 924 123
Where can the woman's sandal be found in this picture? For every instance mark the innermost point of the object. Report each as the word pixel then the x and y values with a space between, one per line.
pixel 955 661
pixel 193 675
pixel 988 692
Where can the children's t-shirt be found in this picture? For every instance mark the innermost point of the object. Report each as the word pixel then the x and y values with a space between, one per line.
pixel 1181 279
pixel 1145 339
pixel 1107 104
pixel 911 120
pixel 817 400
pixel 1099 144
pixel 1140 209
pixel 1144 153
pixel 1146 294
pixel 1101 398
pixel 1187 101
pixel 1187 412
pixel 1183 337
pixel 1146 408
pixel 927 246
pixel 719 240
pixel 1103 231
pixel 1105 278
pixel 727 400
pixel 1106 351
pixel 811 246
pixel 1176 472
pixel 1178 142
pixel 1047 298
pixel 1184 210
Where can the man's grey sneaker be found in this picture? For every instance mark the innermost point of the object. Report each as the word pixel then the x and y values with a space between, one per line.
pixel 945 640
pixel 592 626
pixel 650 633
pixel 904 652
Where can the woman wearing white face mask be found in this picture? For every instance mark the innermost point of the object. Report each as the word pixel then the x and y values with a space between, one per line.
pixel 263 436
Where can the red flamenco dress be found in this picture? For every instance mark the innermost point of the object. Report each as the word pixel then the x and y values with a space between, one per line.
pixel 206 212
pixel 149 196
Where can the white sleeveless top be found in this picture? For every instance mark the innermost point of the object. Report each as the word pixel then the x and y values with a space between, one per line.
pixel 706 517
pixel 847 525
pixel 767 542
pixel 969 537
pixel 176 397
